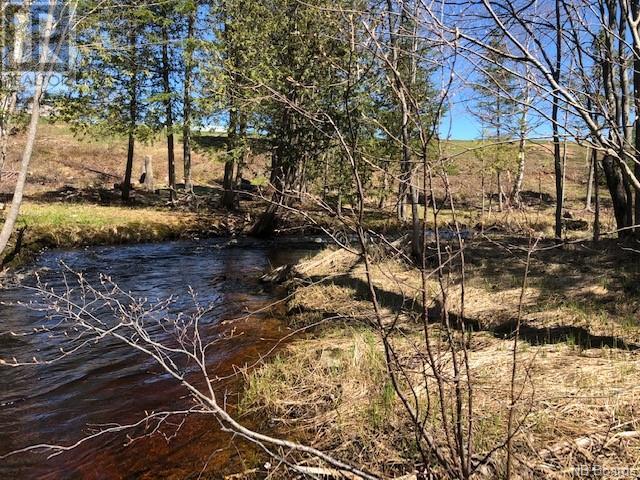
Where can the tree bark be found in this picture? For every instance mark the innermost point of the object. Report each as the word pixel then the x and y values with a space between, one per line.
pixel 128 171
pixel 285 157
pixel 407 191
pixel 166 70
pixel 625 111
pixel 243 144
pixel 186 126
pixel 596 216
pixel 483 193
pixel 133 113
pixel 284 174
pixel 557 154
pixel 618 192
pixel 591 152
pixel 229 196
pixel 635 7
pixel 617 182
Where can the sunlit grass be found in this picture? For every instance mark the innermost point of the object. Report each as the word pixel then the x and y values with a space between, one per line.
pixel 61 215
pixel 65 225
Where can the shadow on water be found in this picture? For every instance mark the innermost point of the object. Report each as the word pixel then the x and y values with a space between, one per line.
pixel 108 382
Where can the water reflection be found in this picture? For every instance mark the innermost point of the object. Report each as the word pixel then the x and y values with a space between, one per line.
pixel 109 382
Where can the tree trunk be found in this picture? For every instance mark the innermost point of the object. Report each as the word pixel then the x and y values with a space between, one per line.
pixel 616 182
pixel 557 154
pixel 625 111
pixel 11 85
pixel 635 7
pixel 229 197
pixel 483 194
pixel 284 175
pixel 618 192
pixel 186 113
pixel 148 182
pixel 401 199
pixel 517 186
pixel 16 202
pixel 596 217
pixel 12 216
pixel 268 221
pixel 287 148
pixel 591 153
pixel 166 69
pixel 630 205
pixel 499 186
pixel 133 113
pixel 385 186
pixel 126 184
pixel 243 144
pixel 407 191
pixel 407 180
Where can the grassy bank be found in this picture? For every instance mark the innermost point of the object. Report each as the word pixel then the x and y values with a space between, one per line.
pixel 68 225
pixel 577 369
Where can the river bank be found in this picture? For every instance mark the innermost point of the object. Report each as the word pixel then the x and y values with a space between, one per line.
pixel 330 387
pixel 44 226
pixel 576 376
pixel 579 352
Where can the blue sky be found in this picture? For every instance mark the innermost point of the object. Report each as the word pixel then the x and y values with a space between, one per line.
pixel 460 125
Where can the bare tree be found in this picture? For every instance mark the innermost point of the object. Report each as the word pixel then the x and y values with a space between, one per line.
pixel 10 80
pixel 41 79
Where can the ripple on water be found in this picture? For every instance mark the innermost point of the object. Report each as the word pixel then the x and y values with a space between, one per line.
pixel 109 382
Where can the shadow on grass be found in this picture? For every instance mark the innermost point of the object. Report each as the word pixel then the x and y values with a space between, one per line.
pixel 569 334
pixel 572 273
pixel 113 196
pixel 579 267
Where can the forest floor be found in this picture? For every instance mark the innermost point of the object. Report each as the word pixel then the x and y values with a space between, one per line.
pixel 578 358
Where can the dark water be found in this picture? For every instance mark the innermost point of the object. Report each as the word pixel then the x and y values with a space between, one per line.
pixel 109 382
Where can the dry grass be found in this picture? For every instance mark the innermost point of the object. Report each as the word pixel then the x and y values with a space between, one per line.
pixel 579 395
pixel 337 397
pixel 61 159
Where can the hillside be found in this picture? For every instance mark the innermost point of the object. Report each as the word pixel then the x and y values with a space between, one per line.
pixel 61 159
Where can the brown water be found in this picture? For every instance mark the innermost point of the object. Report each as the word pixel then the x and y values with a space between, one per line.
pixel 108 382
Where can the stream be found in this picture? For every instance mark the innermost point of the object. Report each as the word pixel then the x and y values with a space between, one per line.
pixel 110 382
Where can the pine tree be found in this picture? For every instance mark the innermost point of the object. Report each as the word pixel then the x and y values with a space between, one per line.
pixel 113 83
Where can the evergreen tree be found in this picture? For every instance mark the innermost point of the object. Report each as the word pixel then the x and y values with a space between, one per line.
pixel 113 85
